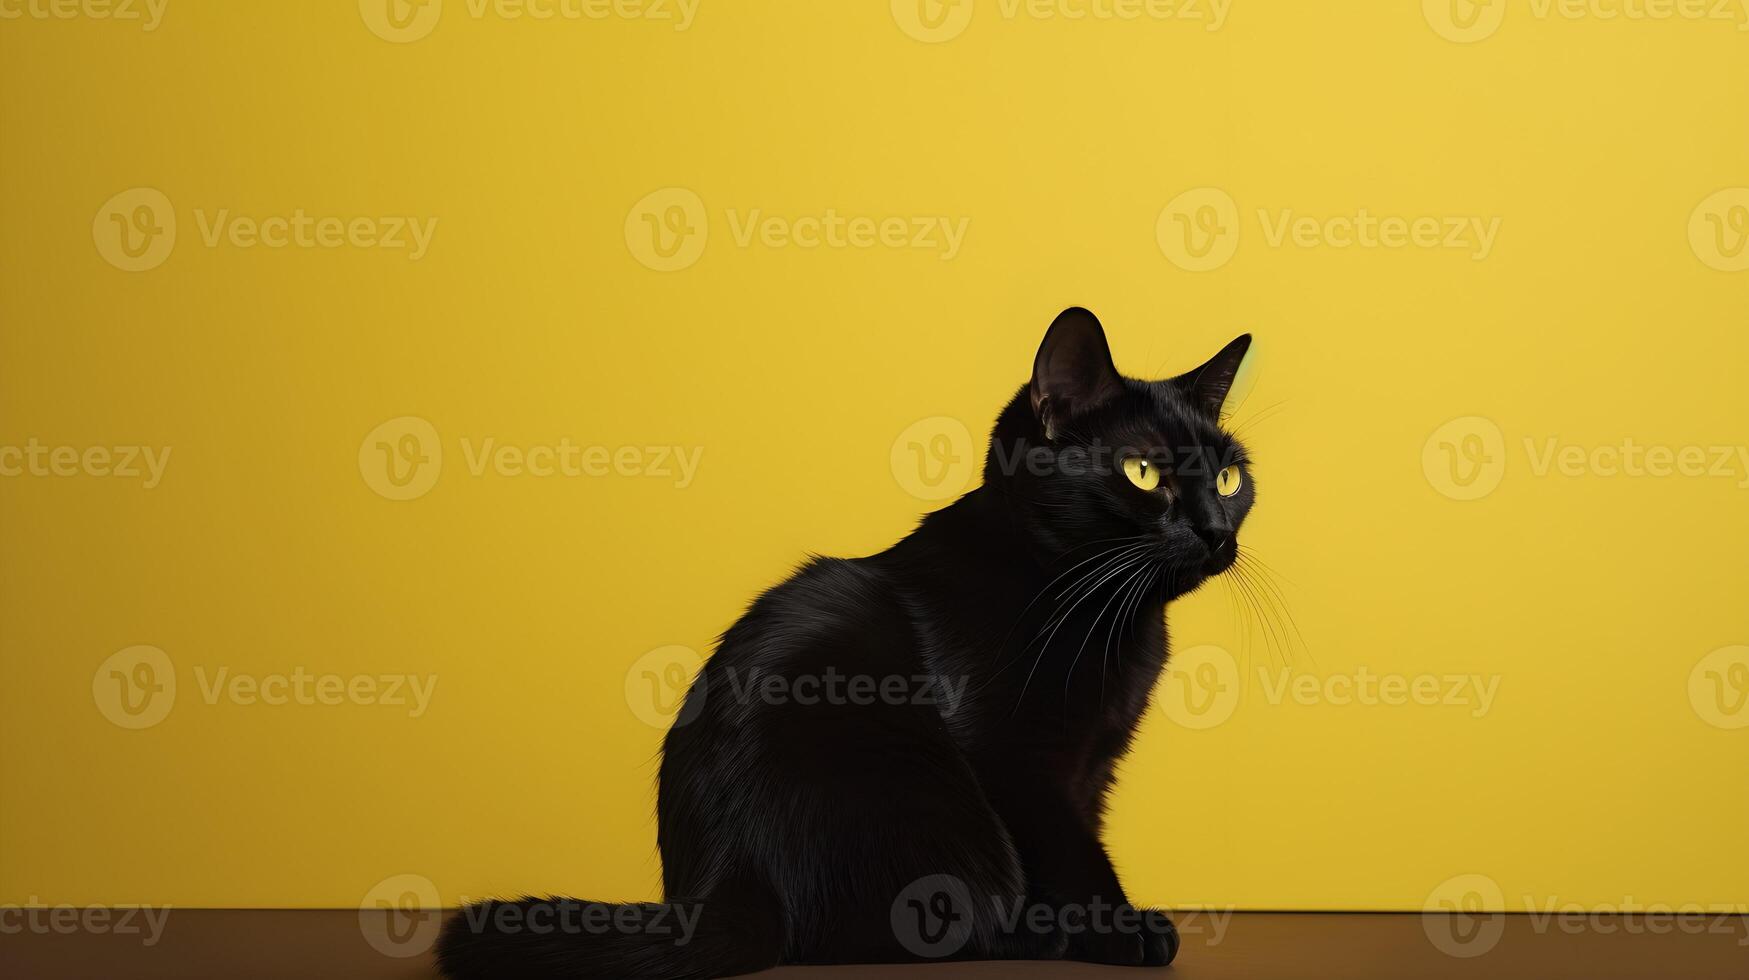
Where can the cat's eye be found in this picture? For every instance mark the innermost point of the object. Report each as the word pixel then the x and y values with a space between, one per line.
pixel 1145 475
pixel 1228 481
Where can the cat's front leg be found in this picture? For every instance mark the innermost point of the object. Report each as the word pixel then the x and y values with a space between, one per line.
pixel 1069 874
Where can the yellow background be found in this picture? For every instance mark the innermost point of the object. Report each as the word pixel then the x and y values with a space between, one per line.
pixel 1593 779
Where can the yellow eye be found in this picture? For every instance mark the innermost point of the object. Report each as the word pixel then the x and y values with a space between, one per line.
pixel 1228 481
pixel 1142 473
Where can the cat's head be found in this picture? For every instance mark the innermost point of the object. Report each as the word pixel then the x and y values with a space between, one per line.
pixel 1095 461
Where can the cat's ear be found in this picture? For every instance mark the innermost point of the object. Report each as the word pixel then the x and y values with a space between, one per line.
pixel 1210 384
pixel 1073 372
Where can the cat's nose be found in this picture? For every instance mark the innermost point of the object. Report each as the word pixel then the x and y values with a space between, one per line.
pixel 1219 541
pixel 1223 551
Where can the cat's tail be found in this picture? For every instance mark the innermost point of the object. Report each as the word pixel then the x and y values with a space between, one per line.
pixel 571 938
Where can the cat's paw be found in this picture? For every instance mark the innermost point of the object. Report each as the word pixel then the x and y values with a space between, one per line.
pixel 1026 944
pixel 1154 943
pixel 1111 948
pixel 1159 938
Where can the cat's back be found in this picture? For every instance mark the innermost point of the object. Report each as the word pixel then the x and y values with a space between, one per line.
pixel 838 613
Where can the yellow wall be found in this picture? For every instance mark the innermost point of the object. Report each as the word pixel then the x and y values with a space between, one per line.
pixel 1583 598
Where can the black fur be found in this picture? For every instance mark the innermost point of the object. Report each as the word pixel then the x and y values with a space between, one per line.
pixel 1018 633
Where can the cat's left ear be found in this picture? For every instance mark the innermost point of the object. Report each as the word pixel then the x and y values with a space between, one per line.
pixel 1210 384
pixel 1073 372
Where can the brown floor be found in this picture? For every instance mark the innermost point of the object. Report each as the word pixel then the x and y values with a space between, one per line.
pixel 196 943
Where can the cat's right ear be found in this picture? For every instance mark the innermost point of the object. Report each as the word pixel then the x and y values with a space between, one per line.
pixel 1073 372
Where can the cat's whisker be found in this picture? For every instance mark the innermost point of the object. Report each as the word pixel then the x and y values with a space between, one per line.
pixel 1242 611
pixel 1135 568
pixel 1270 609
pixel 1066 600
pixel 1132 539
pixel 1261 415
pixel 1125 611
pixel 1249 601
pixel 1090 584
pixel 1133 548
pixel 1105 649
pixel 1063 619
pixel 1105 557
pixel 1275 633
pixel 1233 608
pixel 1273 592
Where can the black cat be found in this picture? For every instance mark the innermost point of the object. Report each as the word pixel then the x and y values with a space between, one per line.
pixel 906 756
